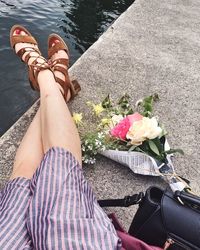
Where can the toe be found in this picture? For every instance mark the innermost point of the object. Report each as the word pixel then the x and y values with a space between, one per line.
pixel 19 32
pixel 16 32
pixel 21 45
pixel 54 43
pixel 23 33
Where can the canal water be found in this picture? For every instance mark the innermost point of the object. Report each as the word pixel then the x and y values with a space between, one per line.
pixel 79 22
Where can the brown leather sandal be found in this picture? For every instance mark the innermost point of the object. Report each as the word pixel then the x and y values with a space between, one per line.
pixel 36 66
pixel 67 84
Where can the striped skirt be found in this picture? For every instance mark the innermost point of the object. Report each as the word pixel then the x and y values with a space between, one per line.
pixel 56 209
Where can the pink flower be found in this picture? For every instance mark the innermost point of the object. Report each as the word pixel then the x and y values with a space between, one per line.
pixel 135 117
pixel 122 128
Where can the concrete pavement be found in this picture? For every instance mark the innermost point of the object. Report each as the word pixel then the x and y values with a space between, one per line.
pixel 153 47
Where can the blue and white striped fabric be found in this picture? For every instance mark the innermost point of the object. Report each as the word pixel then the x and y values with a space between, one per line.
pixel 56 209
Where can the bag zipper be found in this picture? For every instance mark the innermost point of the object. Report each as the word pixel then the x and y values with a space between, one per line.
pixel 168 243
pixel 171 241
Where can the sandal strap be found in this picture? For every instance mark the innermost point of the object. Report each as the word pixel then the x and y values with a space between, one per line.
pixel 60 69
pixel 65 87
pixel 23 39
pixel 58 46
pixel 38 65
pixel 65 84
pixel 21 52
pixel 28 56
pixel 34 69
pixel 61 65
pixel 63 61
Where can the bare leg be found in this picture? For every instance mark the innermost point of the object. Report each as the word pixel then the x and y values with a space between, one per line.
pixel 58 128
pixel 30 151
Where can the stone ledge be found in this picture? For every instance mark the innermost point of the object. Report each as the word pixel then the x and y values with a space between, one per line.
pixel 151 48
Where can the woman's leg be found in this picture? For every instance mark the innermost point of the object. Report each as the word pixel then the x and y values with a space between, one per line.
pixel 58 128
pixel 15 197
pixel 30 151
pixel 64 213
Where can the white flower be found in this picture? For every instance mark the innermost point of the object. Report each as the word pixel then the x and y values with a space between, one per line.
pixel 85 160
pixel 97 143
pixel 147 128
pixel 115 120
pixel 138 102
pixel 92 161
pixel 100 135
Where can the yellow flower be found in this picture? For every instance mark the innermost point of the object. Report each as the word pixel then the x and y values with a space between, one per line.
pixel 105 121
pixel 98 109
pixel 77 117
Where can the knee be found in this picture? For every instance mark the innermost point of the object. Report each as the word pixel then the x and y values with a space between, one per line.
pixel 23 169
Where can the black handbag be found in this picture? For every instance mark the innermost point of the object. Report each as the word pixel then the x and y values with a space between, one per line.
pixel 165 219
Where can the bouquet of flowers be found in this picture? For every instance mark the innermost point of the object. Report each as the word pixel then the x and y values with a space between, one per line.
pixel 134 138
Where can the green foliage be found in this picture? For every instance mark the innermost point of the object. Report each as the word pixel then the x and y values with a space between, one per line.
pixel 132 148
pixel 124 105
pixel 176 150
pixel 153 147
pixel 106 103
pixel 147 104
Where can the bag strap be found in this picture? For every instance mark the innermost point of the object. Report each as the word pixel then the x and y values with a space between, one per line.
pixel 126 202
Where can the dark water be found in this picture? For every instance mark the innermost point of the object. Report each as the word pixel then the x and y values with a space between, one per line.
pixel 80 22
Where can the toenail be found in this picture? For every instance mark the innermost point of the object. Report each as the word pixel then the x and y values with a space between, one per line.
pixel 17 31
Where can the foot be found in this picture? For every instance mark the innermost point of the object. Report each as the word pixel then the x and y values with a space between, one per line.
pixel 34 57
pixel 58 55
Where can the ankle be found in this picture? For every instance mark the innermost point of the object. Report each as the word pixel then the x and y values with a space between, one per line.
pixel 45 75
pixel 67 98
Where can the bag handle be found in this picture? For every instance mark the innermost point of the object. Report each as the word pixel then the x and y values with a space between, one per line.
pixel 126 202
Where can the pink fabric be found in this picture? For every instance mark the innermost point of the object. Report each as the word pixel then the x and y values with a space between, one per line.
pixel 129 242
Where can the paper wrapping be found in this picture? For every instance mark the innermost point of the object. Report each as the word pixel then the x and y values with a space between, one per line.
pixel 141 163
